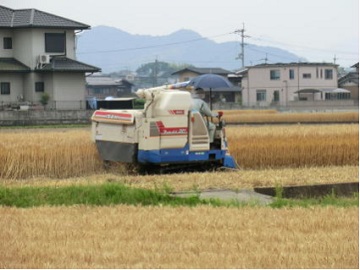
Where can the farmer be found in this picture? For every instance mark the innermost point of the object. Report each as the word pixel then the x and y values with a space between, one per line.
pixel 200 105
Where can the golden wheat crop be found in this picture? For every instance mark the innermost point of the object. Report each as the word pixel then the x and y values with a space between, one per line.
pixel 181 237
pixel 294 146
pixel 53 153
pixel 271 116
pixel 70 153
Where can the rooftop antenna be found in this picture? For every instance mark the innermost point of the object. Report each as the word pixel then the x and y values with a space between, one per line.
pixel 265 59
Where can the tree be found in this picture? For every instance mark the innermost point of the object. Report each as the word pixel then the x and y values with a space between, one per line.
pixel 44 99
pixel 157 73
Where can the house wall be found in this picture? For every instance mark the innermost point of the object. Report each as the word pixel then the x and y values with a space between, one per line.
pixel 258 78
pixel 35 44
pixel 16 87
pixel 353 88
pixel 185 76
pixel 68 90
pixel 21 52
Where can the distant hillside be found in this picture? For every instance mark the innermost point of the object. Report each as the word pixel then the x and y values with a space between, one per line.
pixel 112 49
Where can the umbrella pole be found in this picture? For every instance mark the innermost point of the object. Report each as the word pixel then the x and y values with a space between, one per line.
pixel 210 101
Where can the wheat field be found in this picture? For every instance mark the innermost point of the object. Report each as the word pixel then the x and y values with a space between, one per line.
pixel 294 146
pixel 181 237
pixel 71 153
pixel 273 116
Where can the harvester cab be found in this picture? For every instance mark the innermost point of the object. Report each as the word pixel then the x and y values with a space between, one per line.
pixel 167 134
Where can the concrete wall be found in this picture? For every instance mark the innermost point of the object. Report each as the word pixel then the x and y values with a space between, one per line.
pixel 23 118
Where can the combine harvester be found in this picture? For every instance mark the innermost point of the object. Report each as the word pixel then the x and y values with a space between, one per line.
pixel 165 136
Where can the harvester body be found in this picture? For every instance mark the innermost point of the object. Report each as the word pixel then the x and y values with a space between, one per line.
pixel 166 132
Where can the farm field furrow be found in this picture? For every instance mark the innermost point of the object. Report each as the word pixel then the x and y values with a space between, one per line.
pixel 180 237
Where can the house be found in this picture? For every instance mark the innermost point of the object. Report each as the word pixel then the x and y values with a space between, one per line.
pixel 220 96
pixel 37 56
pixel 188 73
pixel 351 82
pixel 102 87
pixel 287 84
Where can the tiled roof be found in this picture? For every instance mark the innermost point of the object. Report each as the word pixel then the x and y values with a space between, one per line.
pixel 201 71
pixel 33 18
pixel 293 64
pixel 64 64
pixel 350 77
pixel 12 65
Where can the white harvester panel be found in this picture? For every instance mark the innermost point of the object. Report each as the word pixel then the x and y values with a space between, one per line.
pixel 166 122
pixel 172 103
pixel 116 133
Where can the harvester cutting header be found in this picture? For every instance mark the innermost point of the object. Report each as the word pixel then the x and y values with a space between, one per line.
pixel 169 133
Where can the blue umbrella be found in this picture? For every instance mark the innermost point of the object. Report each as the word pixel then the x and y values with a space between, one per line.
pixel 210 81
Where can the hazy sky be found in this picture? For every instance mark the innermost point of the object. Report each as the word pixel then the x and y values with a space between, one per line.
pixel 315 29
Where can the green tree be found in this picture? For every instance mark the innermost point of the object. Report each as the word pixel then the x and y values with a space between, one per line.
pixel 44 99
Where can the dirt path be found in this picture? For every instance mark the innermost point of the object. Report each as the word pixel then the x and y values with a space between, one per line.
pixel 241 196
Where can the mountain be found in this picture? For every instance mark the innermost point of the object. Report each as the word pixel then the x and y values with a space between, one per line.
pixel 112 49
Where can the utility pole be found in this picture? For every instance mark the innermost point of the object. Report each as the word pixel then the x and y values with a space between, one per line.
pixel 155 73
pixel 243 36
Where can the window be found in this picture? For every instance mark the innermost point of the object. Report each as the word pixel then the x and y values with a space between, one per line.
pixel 306 75
pixel 39 87
pixel 55 42
pixel 333 96
pixel 7 43
pixel 291 74
pixel 260 95
pixel 275 74
pixel 328 74
pixel 5 88
pixel 276 96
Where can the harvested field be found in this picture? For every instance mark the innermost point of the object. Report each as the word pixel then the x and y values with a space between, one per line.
pixel 243 179
pixel 70 153
pixel 181 237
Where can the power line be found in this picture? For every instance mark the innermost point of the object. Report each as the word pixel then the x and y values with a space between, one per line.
pixel 154 46
pixel 301 46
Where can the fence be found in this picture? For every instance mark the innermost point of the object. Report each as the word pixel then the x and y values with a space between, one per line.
pixel 44 117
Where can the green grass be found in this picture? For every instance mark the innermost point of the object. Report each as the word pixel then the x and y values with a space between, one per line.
pixel 116 193
pixel 105 194
pixel 329 200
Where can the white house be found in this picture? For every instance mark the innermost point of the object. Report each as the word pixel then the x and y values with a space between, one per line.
pixel 281 84
pixel 37 56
